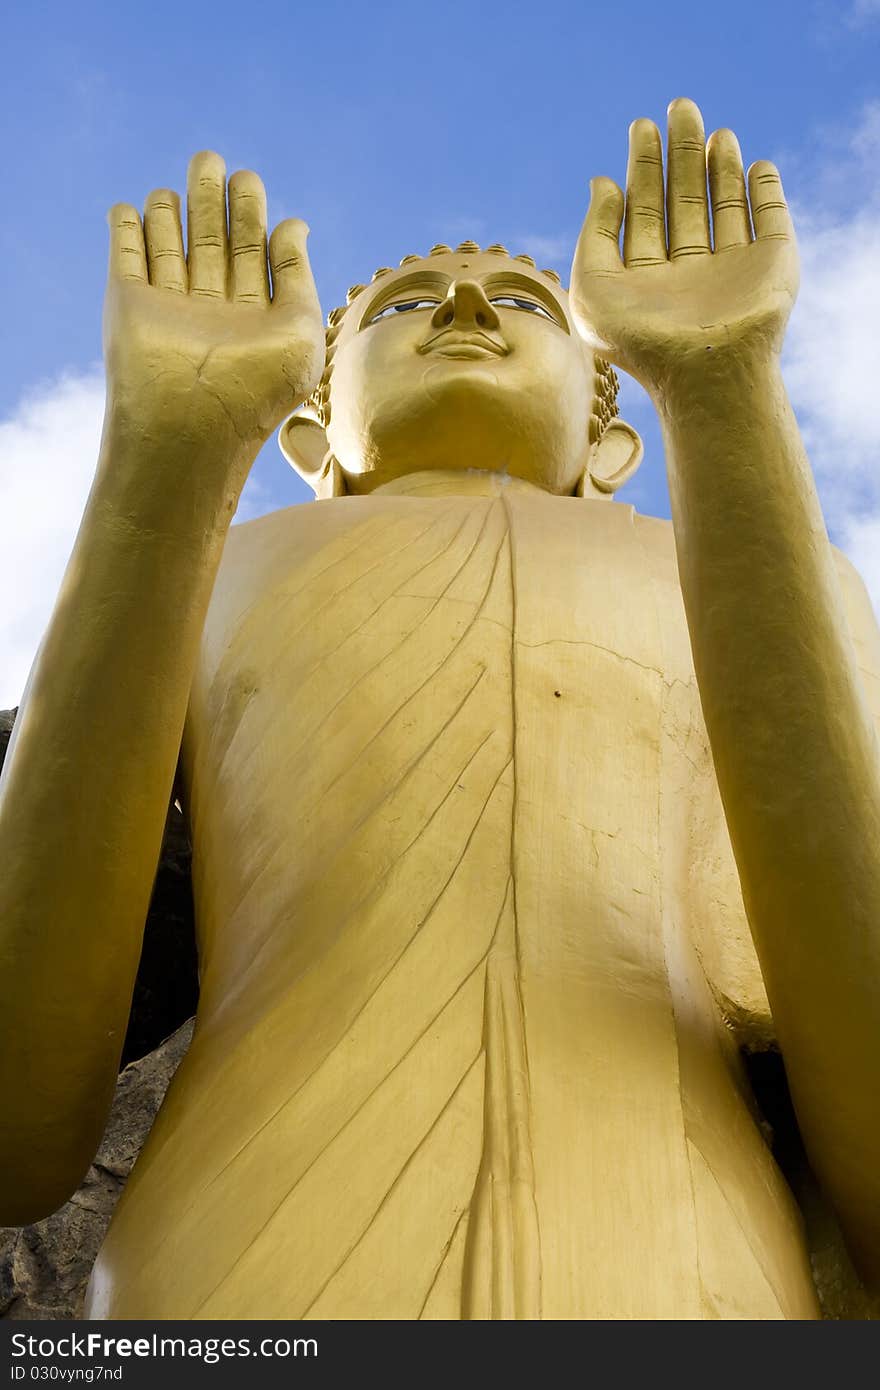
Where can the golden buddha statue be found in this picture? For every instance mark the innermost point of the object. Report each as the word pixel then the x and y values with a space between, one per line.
pixel 515 814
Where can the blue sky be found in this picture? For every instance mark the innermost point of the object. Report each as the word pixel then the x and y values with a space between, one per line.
pixel 392 126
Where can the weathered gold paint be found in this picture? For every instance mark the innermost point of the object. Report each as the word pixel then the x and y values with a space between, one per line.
pixel 514 813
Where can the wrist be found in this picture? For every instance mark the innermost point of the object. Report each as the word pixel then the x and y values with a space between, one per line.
pixel 737 471
pixel 179 480
pixel 165 409
pixel 717 381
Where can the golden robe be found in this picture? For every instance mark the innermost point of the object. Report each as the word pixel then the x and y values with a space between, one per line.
pixel 475 966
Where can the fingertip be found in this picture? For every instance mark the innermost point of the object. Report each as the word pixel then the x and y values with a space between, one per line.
pixel 763 168
pixel 763 171
pixel 122 212
pixel 294 228
pixel 723 145
pixel 206 156
pixel 722 136
pixel 604 186
pixel 160 196
pixel 683 105
pixel 246 181
pixel 642 127
pixel 206 163
pixel 685 120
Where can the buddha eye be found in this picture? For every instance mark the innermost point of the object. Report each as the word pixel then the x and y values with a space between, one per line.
pixel 406 306
pixel 509 301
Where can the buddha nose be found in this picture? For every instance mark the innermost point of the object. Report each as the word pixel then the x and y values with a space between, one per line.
pixel 465 307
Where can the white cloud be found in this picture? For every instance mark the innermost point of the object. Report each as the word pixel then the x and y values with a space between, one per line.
pixel 831 358
pixel 48 453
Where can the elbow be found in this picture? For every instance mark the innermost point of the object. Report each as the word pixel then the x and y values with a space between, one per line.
pixel 49 1134
pixel 25 1200
pixel 26 1209
pixel 41 1167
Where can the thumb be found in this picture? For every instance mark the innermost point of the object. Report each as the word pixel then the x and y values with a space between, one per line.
pixel 598 246
pixel 292 282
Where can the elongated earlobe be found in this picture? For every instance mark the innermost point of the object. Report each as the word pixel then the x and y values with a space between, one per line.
pixel 613 460
pixel 303 443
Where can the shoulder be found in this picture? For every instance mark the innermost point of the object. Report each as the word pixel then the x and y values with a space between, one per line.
pixel 292 548
pixel 655 536
pixel 860 613
pixel 247 539
pixel 861 619
pixel 854 588
pixel 262 552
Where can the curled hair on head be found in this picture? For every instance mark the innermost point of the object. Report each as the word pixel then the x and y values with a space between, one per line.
pixel 605 389
pixel 605 383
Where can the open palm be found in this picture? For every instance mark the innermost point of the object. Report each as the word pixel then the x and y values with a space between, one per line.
pixel 679 288
pixel 198 340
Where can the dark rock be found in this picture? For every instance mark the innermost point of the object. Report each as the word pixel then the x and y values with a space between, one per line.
pixel 7 719
pixel 166 990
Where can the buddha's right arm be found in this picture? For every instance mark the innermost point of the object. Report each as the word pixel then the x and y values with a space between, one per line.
pixel 202 363
pixel 82 807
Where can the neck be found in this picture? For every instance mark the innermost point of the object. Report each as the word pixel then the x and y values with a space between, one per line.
pixel 456 482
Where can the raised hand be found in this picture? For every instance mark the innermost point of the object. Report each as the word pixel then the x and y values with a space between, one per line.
pixel 197 341
pixel 679 290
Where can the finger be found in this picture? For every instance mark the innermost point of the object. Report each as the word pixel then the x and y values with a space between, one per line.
pixel 247 238
pixel 598 247
pixel 769 209
pixel 687 206
pixel 128 256
pixel 164 240
pixel 206 238
pixel 644 231
pixel 292 282
pixel 727 190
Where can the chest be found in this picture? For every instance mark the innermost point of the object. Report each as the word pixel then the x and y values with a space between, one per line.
pixel 376 678
pixel 382 676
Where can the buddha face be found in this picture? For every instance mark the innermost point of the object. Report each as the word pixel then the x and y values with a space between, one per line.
pixel 461 361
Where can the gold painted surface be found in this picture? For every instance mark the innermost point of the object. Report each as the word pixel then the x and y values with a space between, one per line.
pixel 485 1044
pixel 515 815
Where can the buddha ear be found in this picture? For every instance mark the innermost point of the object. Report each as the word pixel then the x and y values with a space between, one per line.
pixel 304 444
pixel 612 461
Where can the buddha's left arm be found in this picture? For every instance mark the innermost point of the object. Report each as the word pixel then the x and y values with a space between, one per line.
pixel 794 747
pixel 795 754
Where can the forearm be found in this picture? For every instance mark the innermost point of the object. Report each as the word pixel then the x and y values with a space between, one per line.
pixel 84 796
pixel 794 751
